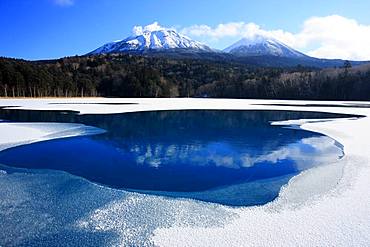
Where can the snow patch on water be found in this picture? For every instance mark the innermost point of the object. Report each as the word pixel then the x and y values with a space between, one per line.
pixel 15 134
pixel 54 206
pixel 135 217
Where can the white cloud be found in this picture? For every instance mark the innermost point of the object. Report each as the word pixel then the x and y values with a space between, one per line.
pixel 331 36
pixel 64 2
pixel 138 30
pixel 324 152
pixel 232 29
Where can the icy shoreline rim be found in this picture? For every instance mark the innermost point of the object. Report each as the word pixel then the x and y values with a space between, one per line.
pixel 338 217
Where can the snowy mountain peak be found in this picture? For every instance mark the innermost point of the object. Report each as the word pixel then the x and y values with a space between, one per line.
pixel 261 45
pixel 152 37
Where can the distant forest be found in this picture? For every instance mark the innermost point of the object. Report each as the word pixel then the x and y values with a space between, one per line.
pixel 124 75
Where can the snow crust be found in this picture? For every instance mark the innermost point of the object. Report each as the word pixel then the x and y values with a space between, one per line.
pixel 324 206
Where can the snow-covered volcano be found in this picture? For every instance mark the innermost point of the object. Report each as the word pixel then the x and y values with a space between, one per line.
pixel 152 37
pixel 260 45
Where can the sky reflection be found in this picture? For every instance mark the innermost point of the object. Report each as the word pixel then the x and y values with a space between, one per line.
pixel 185 153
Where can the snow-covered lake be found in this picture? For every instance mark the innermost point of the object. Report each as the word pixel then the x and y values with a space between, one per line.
pixel 324 205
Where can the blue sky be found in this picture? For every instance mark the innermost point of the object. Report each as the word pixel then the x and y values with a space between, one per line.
pixel 39 29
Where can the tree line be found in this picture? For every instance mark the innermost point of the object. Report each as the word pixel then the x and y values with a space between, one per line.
pixel 125 75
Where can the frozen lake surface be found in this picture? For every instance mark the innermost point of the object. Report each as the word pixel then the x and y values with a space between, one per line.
pixel 235 158
pixel 324 205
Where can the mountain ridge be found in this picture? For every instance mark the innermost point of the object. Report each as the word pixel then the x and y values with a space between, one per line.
pixel 255 50
pixel 260 45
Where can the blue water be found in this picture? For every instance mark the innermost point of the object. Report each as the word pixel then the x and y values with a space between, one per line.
pixel 229 157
